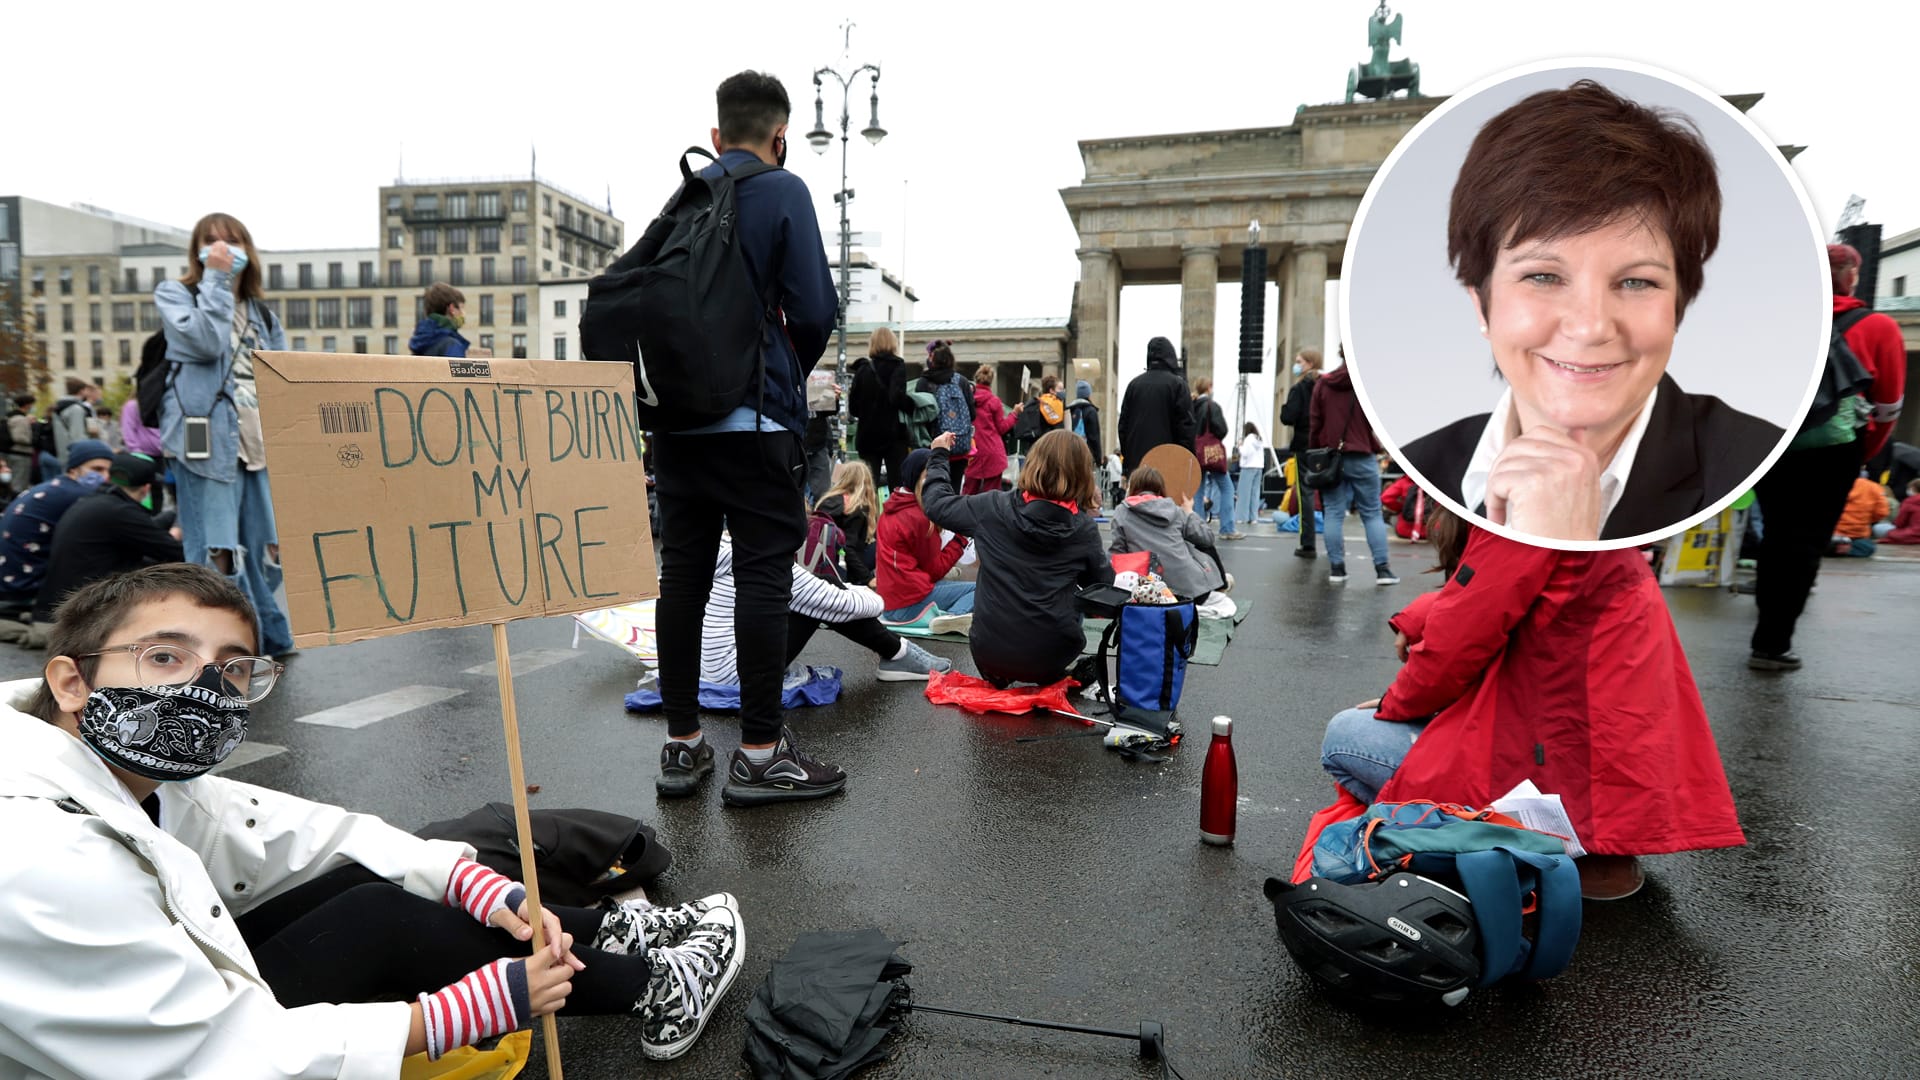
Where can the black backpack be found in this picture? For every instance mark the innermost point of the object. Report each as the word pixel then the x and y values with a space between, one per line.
pixel 580 855
pixel 1845 376
pixel 682 308
pixel 151 381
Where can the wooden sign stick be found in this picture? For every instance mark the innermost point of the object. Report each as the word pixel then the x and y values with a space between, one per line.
pixel 523 826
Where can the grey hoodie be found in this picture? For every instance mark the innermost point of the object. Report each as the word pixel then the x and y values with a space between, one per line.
pixel 1178 538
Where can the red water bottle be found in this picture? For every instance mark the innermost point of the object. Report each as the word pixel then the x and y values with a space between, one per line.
pixel 1219 785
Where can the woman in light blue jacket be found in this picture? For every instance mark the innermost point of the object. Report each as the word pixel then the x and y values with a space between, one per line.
pixel 214 319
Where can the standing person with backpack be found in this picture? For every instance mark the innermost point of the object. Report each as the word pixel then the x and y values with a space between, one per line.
pixel 213 319
pixel 1210 438
pixel 879 393
pixel 991 422
pixel 70 415
pixel 1050 411
pixel 742 470
pixel 1806 489
pixel 19 447
pixel 1336 421
pixel 954 395
pixel 439 333
pixel 1083 419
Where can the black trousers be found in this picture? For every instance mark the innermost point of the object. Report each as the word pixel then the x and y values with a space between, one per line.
pixel 1802 497
pixel 352 936
pixel 886 461
pixel 748 483
pixel 867 632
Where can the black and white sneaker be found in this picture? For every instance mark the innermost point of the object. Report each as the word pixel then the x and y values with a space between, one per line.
pixel 788 775
pixel 688 981
pixel 629 928
pixel 682 768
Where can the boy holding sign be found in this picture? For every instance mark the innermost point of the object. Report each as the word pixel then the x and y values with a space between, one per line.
pixel 163 922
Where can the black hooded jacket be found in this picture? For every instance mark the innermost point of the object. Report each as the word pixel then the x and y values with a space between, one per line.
pixel 1157 408
pixel 1033 557
pixel 874 400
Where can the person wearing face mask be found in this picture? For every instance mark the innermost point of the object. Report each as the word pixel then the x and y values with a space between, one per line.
pixel 214 318
pixel 27 531
pixel 439 333
pixel 1297 414
pixel 110 531
pixel 159 921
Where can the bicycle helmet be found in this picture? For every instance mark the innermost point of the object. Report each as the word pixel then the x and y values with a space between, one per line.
pixel 1404 940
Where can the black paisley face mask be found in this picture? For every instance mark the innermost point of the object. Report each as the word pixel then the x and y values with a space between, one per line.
pixel 165 732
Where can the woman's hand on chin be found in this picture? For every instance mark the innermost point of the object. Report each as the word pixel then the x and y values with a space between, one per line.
pixel 1546 484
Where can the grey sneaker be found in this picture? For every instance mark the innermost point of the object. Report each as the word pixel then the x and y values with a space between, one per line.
pixel 682 768
pixel 915 666
pixel 788 775
pixel 630 928
pixel 688 981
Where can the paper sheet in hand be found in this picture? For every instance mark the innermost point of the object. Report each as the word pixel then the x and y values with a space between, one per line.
pixel 1541 812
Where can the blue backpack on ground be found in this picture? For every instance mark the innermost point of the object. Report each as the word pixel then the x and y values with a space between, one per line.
pixel 955 400
pixel 1149 645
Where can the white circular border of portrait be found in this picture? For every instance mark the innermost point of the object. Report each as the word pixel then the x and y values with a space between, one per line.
pixel 1584 64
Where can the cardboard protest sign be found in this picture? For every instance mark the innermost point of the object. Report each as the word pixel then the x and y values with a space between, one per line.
pixel 1179 469
pixel 421 492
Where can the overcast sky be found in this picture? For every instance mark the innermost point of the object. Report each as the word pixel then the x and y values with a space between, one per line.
pixel 984 104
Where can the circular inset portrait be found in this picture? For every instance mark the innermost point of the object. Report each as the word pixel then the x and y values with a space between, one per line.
pixel 1586 304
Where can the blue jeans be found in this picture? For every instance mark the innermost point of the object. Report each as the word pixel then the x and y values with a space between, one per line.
pixel 1361 753
pixel 1219 488
pixel 1359 486
pixel 237 516
pixel 1248 508
pixel 951 597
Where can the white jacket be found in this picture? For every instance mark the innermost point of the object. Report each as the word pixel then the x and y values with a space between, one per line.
pixel 121 957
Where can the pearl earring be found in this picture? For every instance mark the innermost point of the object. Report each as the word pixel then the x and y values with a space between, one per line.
pixel 1483 328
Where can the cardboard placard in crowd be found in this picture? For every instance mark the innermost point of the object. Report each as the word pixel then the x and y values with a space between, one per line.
pixel 420 492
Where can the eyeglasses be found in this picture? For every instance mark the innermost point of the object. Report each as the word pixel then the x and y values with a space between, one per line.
pixel 248 678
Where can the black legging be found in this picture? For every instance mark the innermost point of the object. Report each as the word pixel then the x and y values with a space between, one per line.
pixel 352 936
pixel 1801 497
pixel 886 461
pixel 868 632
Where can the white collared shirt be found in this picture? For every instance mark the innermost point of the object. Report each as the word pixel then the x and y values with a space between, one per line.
pixel 1493 439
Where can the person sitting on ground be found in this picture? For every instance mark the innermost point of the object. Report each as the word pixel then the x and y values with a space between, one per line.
pixel 853 506
pixel 1407 502
pixel 1906 521
pixel 1038 546
pixel 852 611
pixel 438 334
pixel 911 560
pixel 1184 545
pixel 1560 667
pixel 108 532
pixel 27 531
pixel 159 921
pixel 1866 507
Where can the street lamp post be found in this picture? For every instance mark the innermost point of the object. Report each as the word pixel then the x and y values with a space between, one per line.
pixel 820 138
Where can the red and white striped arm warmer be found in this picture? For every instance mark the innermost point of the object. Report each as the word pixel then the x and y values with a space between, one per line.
pixel 481 891
pixel 491 1001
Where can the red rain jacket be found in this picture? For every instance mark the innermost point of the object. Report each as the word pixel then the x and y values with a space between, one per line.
pixel 1562 667
pixel 1877 341
pixel 908 556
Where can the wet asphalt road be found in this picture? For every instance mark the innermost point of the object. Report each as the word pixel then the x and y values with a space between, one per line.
pixel 1055 880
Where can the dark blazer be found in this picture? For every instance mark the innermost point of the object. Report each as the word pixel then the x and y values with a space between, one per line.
pixel 1696 449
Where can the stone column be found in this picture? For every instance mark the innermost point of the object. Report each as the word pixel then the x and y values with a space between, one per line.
pixel 1309 285
pixel 1199 285
pixel 1097 313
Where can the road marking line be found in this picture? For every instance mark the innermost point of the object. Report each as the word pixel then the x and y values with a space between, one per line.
pixel 247 753
pixel 358 714
pixel 531 660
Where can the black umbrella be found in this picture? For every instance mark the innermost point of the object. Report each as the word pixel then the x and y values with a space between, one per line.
pixel 830 1001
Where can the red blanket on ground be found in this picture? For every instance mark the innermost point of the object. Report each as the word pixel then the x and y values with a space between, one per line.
pixel 975 694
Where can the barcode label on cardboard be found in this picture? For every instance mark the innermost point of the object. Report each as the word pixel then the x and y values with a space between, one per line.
pixel 346 417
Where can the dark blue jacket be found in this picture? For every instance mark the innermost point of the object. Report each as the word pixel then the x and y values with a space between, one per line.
pixel 780 240
pixel 432 338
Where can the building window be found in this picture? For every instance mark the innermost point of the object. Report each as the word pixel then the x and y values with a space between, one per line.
pixel 1900 285
pixel 426 206
pixel 566 250
pixel 66 281
pixel 519 346
pixel 546 237
pixel 486 204
pixel 616 236
pixel 93 280
pixel 546 205
pixel 98 349
pixel 304 274
pixel 329 344
pixel 396 203
pixel 486 309
pixel 93 317
pixel 519 269
pixel 559 309
pixel 149 317
pixel 486 340
pixel 486 269
pixel 359 344
pixel 360 312
pixel 40 318
pixel 298 343
pixel 299 314
pixel 566 216
pixel 520 234
pixel 132 278
pixel 395 277
pixel 426 272
pixel 396 238
pixel 391 345
pixel 69 353
pixel 40 276
pixel 566 271
pixel 457 239
pixel 123 317
pixel 546 266
pixel 390 312
pixel 327 313
pixel 519 309
pixel 276 276
pixel 457 206
pixel 126 352
pixel 426 241
pixel 66 318
pixel 519 201
pixel 559 347
pixel 366 275
pixel 419 308
pixel 456 271
pixel 273 306
pixel 336 276
pixel 489 239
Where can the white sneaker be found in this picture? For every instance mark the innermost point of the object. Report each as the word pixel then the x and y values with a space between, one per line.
pixel 952 624
pixel 688 981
